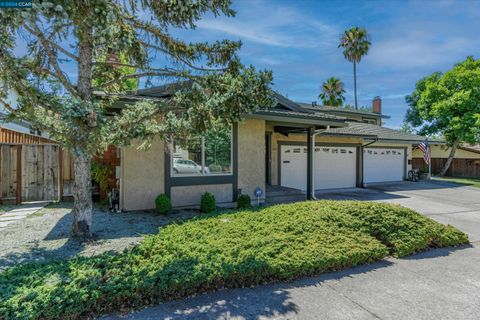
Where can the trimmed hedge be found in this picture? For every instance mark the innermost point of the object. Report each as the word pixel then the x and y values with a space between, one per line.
pixel 214 251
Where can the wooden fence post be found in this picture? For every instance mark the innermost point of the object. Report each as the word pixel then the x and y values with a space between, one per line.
pixel 19 175
pixel 1 170
pixel 60 174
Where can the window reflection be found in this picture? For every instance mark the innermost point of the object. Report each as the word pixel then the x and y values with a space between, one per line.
pixel 209 154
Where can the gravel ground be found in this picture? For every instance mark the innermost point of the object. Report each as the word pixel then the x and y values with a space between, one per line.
pixel 45 235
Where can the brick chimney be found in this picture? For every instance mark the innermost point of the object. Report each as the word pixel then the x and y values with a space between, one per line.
pixel 112 58
pixel 377 105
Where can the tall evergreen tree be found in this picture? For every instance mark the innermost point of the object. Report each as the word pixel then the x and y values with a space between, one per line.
pixel 355 43
pixel 84 32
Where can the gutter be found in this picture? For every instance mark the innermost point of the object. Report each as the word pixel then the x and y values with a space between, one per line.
pixel 371 142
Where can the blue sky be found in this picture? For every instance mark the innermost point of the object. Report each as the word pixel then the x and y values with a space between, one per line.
pixel 298 41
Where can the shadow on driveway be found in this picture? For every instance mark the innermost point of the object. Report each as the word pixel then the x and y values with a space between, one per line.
pixel 383 191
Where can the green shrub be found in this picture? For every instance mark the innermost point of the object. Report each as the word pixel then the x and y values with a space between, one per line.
pixel 207 203
pixel 244 202
pixel 214 251
pixel 215 168
pixel 163 204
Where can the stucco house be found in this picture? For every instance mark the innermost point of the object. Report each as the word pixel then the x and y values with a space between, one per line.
pixel 292 148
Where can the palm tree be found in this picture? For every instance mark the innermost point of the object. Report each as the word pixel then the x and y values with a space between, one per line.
pixel 355 43
pixel 332 92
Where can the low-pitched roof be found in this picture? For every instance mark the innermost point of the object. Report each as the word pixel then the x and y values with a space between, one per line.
pixel 308 106
pixel 285 110
pixel 471 148
pixel 376 132
pixel 299 117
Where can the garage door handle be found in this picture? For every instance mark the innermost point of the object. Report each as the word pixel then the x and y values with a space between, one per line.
pixel 286 161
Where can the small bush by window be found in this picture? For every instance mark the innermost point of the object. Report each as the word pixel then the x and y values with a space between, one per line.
pixel 244 202
pixel 163 204
pixel 208 203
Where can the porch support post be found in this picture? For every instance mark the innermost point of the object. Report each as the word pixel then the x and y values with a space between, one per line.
pixel 310 150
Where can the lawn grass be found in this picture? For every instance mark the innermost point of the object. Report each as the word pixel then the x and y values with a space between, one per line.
pixel 221 250
pixel 467 181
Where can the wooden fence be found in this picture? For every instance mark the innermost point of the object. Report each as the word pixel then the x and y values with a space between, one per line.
pixel 34 168
pixel 466 168
pixel 16 137
pixel 30 172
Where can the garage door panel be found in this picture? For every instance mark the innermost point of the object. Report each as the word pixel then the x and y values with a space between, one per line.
pixel 335 167
pixel 294 167
pixel 383 164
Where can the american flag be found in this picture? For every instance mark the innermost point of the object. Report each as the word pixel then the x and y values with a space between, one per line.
pixel 426 150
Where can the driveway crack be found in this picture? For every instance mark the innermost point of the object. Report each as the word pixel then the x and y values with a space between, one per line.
pixel 354 302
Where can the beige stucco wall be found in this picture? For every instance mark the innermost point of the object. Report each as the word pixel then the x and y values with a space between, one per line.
pixel 251 155
pixel 142 177
pixel 186 196
pixel 444 151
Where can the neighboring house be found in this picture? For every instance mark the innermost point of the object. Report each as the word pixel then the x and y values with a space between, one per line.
pixel 272 150
pixel 466 162
pixel 17 125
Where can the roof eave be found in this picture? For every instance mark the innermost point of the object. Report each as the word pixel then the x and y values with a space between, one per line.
pixel 297 119
pixel 408 141
pixel 355 135
pixel 470 149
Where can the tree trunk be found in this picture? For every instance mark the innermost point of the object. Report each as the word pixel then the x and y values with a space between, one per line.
pixel 450 158
pixel 82 188
pixel 355 83
pixel 82 196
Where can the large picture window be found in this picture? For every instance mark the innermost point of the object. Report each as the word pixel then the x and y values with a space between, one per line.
pixel 208 154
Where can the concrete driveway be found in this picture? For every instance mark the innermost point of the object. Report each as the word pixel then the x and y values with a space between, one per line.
pixel 439 284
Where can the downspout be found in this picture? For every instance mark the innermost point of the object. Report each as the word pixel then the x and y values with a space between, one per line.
pixel 316 133
pixel 372 142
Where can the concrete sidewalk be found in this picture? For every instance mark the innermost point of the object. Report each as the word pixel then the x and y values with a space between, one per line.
pixel 20 212
pixel 439 284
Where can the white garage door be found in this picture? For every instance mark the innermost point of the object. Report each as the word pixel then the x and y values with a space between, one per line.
pixel 293 167
pixel 335 167
pixel 383 164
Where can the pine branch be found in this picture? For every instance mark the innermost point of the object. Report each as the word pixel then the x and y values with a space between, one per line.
pixel 8 106
pixel 52 60
pixel 179 58
pixel 37 124
pixel 159 73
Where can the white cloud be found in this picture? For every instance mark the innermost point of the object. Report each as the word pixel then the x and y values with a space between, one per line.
pixel 279 26
pixel 419 49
